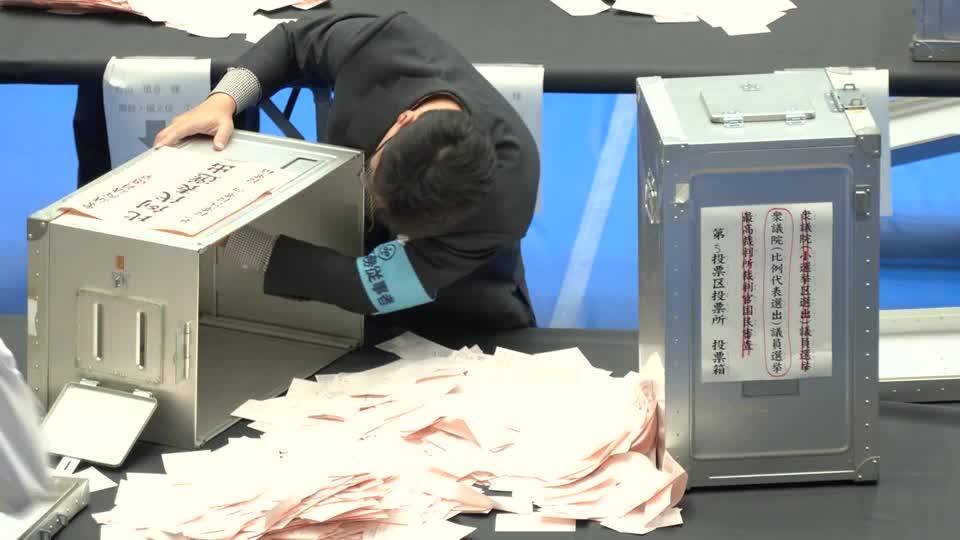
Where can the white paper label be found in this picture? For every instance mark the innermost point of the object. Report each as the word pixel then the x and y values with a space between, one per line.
pixel 32 317
pixel 766 292
pixel 142 95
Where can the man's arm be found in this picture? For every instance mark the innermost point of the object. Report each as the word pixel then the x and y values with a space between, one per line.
pixel 23 467
pixel 394 276
pixel 310 50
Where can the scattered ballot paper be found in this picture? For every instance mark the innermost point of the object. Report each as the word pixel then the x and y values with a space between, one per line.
pixel 259 26
pixel 177 191
pixel 350 457
pixel 97 480
pixel 580 8
pixel 208 18
pixel 735 17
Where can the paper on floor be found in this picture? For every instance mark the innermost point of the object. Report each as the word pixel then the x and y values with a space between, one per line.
pixel 533 523
pixel 258 26
pixel 580 8
pixel 410 345
pixel 207 18
pixel 396 451
pixel 97 480
pixel 735 17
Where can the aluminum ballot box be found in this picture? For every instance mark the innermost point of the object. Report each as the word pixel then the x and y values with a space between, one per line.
pixel 758 247
pixel 143 314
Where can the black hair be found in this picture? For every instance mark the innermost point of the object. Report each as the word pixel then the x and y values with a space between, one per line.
pixel 433 173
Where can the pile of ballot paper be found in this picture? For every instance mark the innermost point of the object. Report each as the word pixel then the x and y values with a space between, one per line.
pixel 735 17
pixel 206 18
pixel 539 441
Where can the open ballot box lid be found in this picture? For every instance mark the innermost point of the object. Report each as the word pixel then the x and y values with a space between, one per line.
pixel 66 497
pixel 95 424
pixel 140 327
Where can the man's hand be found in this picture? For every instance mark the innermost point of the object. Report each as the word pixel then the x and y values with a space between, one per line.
pixel 212 117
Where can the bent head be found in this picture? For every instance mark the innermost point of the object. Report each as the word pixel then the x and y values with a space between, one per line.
pixel 431 172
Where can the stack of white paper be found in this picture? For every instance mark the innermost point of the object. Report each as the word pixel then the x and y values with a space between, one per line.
pixel 735 17
pixel 207 18
pixel 395 452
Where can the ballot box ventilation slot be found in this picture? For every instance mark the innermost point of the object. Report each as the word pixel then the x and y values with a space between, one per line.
pixel 141 341
pixel 98 332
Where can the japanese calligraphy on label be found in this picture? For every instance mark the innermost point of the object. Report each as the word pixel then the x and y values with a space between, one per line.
pixel 178 191
pixel 766 292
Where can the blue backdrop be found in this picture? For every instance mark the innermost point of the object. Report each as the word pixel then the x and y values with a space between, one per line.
pixel 581 249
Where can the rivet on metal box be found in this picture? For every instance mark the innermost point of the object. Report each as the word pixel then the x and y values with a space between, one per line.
pixel 936 34
pixel 143 334
pixel 758 248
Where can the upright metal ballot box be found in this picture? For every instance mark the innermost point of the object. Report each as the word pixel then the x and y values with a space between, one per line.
pixel 758 248
pixel 148 316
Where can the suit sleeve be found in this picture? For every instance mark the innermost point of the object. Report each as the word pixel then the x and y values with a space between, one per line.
pixel 394 276
pixel 309 50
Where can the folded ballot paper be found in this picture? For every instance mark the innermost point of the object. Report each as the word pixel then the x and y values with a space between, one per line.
pixel 394 453
pixel 735 17
pixel 208 18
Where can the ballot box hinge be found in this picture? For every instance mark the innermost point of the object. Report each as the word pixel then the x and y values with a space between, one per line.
pixel 795 118
pixel 732 119
pixel 187 335
pixel 862 201
pixel 651 198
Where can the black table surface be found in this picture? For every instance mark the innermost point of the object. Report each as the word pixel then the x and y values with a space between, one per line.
pixel 915 497
pixel 602 53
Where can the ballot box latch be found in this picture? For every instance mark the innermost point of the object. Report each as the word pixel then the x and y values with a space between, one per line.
pixel 651 198
pixel 849 97
pixel 732 119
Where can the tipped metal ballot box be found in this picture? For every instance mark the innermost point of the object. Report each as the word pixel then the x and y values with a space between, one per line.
pixel 758 266
pixel 153 331
pixel 936 33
